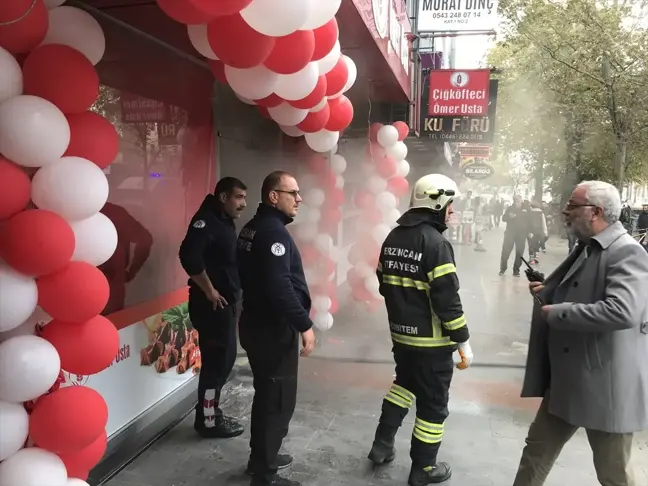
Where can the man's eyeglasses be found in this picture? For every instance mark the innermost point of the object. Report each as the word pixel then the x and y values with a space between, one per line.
pixel 294 194
pixel 570 206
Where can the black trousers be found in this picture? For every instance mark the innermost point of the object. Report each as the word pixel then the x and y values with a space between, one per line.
pixel 498 219
pixel 422 378
pixel 217 341
pixel 273 352
pixel 513 240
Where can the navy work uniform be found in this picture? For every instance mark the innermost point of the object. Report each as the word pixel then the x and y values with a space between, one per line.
pixel 210 245
pixel 418 280
pixel 276 306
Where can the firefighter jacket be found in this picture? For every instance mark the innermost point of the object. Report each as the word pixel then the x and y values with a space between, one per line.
pixel 418 280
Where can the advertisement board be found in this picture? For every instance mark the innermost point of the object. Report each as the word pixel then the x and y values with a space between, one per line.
pixel 137 109
pixel 459 93
pixel 457 15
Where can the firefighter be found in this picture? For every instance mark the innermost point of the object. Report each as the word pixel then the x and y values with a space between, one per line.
pixel 208 255
pixel 418 280
pixel 276 306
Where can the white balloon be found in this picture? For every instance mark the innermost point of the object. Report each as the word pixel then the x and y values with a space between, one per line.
pixel 291 131
pixel 334 150
pixel 254 83
pixel 95 239
pixel 322 141
pixel 368 169
pixel 14 424
pixel 18 297
pixel 276 18
pixel 373 286
pixel 321 303
pixel 245 100
pixel 285 114
pixel 198 38
pixel 339 181
pixel 376 184
pixel 321 12
pixel 364 270
pixel 76 482
pixel 73 187
pixel 319 106
pixel 329 61
pixel 398 151
pixel 324 243
pixel 323 321
pixel 387 135
pixel 306 231
pixel 33 132
pixel 298 85
pixel 11 78
pixel 353 73
pixel 314 215
pixel 338 164
pixel 392 217
pixel 28 328
pixel 380 232
pixel 78 29
pixel 29 366
pixel 386 201
pixel 33 467
pixel 403 168
pixel 50 4
pixel 315 197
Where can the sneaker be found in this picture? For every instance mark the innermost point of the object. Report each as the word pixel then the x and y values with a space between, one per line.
pixel 516 274
pixel 422 476
pixel 224 428
pixel 275 481
pixel 502 272
pixel 283 461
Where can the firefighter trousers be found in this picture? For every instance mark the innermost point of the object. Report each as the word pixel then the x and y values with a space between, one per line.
pixel 217 342
pixel 273 352
pixel 422 379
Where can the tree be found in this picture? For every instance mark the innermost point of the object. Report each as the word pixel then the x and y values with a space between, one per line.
pixel 574 89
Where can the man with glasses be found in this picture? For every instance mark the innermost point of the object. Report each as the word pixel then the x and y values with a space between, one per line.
pixel 276 307
pixel 588 344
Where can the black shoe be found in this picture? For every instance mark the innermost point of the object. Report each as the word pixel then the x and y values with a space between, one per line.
pixel 502 272
pixel 422 476
pixel 516 274
pixel 275 481
pixel 224 428
pixel 283 461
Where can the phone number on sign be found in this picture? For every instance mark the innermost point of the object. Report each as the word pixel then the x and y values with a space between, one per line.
pixel 455 15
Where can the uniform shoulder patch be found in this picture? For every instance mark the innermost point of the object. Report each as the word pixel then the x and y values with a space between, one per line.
pixel 278 249
pixel 199 224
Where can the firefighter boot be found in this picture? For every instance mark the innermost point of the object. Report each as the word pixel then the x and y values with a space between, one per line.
pixel 424 475
pixel 382 450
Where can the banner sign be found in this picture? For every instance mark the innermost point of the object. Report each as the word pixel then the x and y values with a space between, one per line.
pixel 457 15
pixel 478 171
pixel 459 93
pixel 137 109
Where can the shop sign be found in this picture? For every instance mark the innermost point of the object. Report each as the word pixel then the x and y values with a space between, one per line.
pixel 457 15
pixel 168 133
pixel 137 109
pixel 478 171
pixel 459 93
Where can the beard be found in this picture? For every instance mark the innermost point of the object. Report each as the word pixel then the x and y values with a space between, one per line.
pixel 581 229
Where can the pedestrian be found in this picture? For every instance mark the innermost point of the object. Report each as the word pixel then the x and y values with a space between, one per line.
pixel 418 279
pixel 642 226
pixel 498 209
pixel 588 344
pixel 515 236
pixel 481 222
pixel 276 306
pixel 208 255
pixel 537 231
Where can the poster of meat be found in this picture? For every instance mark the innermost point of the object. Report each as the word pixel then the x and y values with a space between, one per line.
pixel 172 342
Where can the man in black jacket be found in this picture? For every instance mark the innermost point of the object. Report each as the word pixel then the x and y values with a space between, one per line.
pixel 418 279
pixel 642 225
pixel 517 231
pixel 276 306
pixel 208 255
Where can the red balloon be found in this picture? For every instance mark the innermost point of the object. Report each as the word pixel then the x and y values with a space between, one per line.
pixel 374 128
pixel 360 293
pixel 15 189
pixel 37 242
pixel 236 43
pixel 386 167
pixel 398 186
pixel 76 293
pixel 184 12
pixel 337 78
pixel 291 53
pixel 313 99
pixel 220 7
pixel 325 38
pixel 68 420
pixel 363 198
pixel 84 348
pixel 264 112
pixel 269 101
pixel 317 164
pixel 63 76
pixel 331 216
pixel 24 35
pixel 310 255
pixel 375 151
pixel 315 120
pixel 218 70
pixel 92 137
pixel 79 463
pixel 372 215
pixel 335 197
pixel 341 114
pixel 335 305
pixel 403 130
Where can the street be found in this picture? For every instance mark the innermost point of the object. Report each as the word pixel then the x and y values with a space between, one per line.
pixel 341 389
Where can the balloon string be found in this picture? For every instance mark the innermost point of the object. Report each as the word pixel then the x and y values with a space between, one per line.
pixel 31 7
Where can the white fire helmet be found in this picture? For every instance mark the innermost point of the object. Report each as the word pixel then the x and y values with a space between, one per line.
pixel 433 191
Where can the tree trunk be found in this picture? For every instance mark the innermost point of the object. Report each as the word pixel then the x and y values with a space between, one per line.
pixel 620 164
pixel 539 181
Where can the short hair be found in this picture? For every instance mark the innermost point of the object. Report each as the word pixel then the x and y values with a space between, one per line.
pixel 227 185
pixel 271 182
pixel 605 196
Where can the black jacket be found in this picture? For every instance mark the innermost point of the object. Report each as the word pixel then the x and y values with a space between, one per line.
pixel 642 222
pixel 418 279
pixel 210 245
pixel 518 224
pixel 271 271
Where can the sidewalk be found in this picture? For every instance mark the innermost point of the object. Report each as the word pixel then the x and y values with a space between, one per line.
pixel 341 390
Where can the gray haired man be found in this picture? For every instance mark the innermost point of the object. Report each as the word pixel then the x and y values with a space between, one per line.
pixel 588 344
